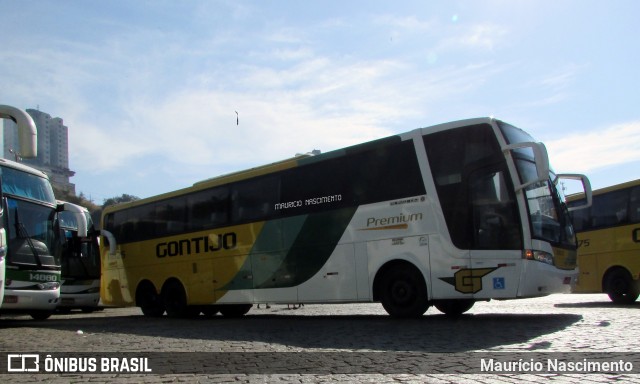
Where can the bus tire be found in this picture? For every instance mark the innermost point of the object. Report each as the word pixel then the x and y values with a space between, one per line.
pixel 40 315
pixel 210 310
pixel 235 310
pixel 149 301
pixel 174 299
pixel 454 307
pixel 620 287
pixel 404 292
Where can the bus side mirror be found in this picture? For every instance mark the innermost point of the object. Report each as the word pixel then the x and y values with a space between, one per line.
pixel 586 186
pixel 27 131
pixel 111 239
pixel 79 215
pixel 540 158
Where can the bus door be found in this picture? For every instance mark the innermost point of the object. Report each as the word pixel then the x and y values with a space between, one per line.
pixel 477 198
pixel 484 226
pixel 496 240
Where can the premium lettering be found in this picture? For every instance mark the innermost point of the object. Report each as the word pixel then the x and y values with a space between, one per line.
pixel 384 221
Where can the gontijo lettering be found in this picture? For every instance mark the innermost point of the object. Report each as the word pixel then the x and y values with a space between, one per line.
pixel 211 243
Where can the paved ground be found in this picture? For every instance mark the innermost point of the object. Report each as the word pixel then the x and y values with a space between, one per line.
pixel 336 343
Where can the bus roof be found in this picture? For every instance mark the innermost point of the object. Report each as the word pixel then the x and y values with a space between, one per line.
pixel 251 172
pixel 23 168
pixel 299 160
pixel 627 184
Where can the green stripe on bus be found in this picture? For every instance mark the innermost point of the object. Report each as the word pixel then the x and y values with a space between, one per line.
pixel 290 251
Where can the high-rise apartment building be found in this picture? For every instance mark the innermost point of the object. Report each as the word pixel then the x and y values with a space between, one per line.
pixel 53 148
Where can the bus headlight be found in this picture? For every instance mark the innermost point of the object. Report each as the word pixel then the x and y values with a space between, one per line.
pixel 50 286
pixel 541 256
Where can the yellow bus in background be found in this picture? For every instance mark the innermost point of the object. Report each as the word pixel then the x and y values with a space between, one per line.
pixel 609 242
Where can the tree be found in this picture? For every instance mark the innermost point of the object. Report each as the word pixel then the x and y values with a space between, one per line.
pixel 79 200
pixel 94 210
pixel 120 199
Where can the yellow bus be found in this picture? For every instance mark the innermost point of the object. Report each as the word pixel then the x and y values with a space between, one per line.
pixel 443 216
pixel 609 242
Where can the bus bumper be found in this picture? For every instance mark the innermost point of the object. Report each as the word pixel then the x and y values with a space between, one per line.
pixel 80 294
pixel 79 300
pixel 27 300
pixel 541 279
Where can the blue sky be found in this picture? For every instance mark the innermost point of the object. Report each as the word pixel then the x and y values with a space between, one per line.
pixel 149 89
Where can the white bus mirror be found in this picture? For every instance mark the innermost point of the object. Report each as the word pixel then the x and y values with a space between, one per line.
pixel 586 186
pixel 540 157
pixel 111 239
pixel 27 132
pixel 78 212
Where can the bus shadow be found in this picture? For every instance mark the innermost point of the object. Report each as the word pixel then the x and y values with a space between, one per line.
pixel 431 333
pixel 597 304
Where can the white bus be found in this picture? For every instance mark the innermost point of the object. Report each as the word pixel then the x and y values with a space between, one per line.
pixel 28 148
pixel 80 264
pixel 442 216
pixel 33 239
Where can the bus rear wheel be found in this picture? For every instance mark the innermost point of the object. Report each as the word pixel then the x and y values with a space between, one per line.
pixel 404 292
pixel 174 299
pixel 454 307
pixel 622 289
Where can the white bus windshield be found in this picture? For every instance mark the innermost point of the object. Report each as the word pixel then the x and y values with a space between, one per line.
pixel 26 185
pixel 32 240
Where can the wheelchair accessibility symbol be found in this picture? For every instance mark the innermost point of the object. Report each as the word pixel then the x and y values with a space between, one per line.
pixel 498 283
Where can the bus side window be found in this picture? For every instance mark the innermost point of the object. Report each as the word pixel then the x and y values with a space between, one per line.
pixel 611 209
pixel 634 205
pixel 581 218
pixel 254 199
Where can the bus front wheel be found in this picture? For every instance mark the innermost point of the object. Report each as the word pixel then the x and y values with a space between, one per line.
pixel 404 292
pixel 40 315
pixel 622 289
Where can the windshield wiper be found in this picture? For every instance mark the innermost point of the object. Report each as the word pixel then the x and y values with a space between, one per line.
pixel 22 232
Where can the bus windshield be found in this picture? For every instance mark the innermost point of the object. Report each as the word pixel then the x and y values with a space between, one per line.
pixel 81 257
pixel 32 240
pixel 19 183
pixel 548 213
